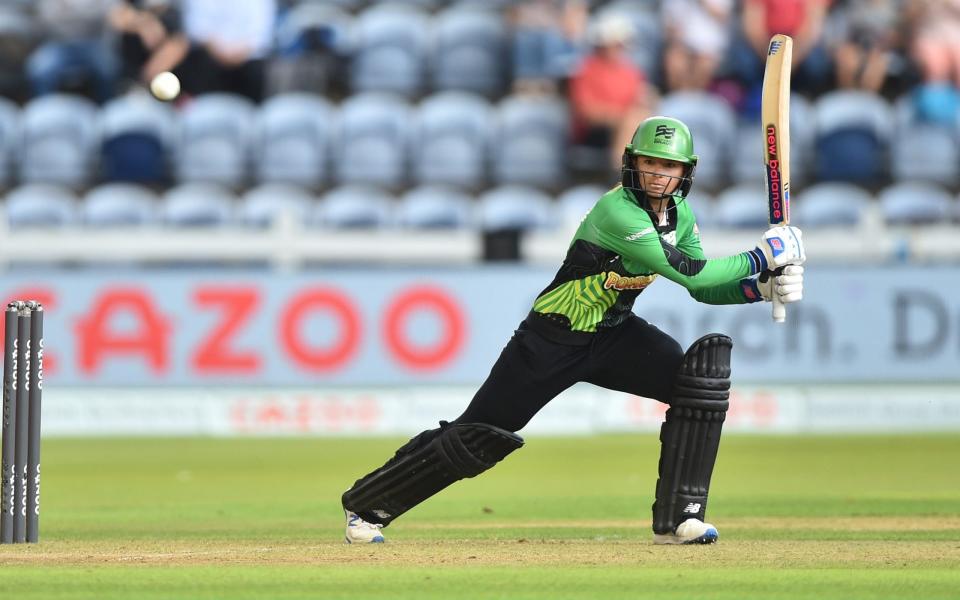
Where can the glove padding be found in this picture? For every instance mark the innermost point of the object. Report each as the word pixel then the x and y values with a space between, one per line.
pixel 788 285
pixel 782 245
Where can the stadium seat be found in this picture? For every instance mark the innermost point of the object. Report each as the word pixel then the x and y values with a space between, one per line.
pixel 354 207
pixel 59 137
pixel 374 136
pixel 40 205
pixel 704 207
pixel 9 140
pixel 742 206
pixel 713 125
pixel 532 135
pixel 136 133
pixel 215 134
pixel 452 140
pixel 516 207
pixel 391 48
pixel 118 204
pixel 647 44
pixel 853 129
pixel 469 51
pixel 435 207
pixel 748 150
pixel 922 150
pixel 830 204
pixel 262 205
pixel 293 137
pixel 198 205
pixel 574 202
pixel 916 203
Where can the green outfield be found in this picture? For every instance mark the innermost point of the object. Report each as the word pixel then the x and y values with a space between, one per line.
pixel 799 517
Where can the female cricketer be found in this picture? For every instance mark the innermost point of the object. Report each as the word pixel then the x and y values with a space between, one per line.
pixel 582 328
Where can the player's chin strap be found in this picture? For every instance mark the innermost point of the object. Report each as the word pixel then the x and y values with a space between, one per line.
pixel 427 464
pixel 690 436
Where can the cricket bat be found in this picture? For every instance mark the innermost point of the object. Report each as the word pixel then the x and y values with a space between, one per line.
pixel 775 117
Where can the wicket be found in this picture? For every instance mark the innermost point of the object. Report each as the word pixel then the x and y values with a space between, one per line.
pixel 22 389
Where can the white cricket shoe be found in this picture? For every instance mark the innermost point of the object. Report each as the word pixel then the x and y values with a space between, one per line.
pixel 361 532
pixel 691 531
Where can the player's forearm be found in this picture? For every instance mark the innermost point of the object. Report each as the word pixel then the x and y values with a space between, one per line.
pixel 701 275
pixel 743 291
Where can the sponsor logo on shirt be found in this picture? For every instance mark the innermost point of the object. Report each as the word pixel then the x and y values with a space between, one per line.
pixel 616 281
pixel 639 234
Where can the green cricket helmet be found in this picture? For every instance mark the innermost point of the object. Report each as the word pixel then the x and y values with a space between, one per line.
pixel 660 137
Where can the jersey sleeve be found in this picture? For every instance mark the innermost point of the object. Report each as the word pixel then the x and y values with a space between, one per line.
pixel 742 291
pixel 637 241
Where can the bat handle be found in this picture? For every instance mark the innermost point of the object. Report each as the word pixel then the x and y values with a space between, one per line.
pixel 779 310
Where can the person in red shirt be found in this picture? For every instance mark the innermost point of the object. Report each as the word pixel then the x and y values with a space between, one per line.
pixel 608 92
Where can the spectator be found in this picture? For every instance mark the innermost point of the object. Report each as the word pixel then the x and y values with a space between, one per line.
pixel 864 33
pixel 77 55
pixel 935 47
pixel 698 32
pixel 802 20
pixel 548 41
pixel 18 38
pixel 222 48
pixel 608 93
pixel 143 27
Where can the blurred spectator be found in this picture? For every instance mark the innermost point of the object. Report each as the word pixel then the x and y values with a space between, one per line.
pixel 608 93
pixel 18 38
pixel 864 36
pixel 548 41
pixel 222 47
pixel 802 20
pixel 698 32
pixel 76 55
pixel 143 27
pixel 935 47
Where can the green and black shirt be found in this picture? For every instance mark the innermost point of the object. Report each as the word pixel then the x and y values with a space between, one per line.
pixel 618 251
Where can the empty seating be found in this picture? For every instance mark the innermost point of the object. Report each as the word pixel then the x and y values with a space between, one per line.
pixel 452 140
pixel 354 207
pixel 923 150
pixel 293 136
pixel 263 205
pixel 830 204
pixel 40 205
pixel 119 204
pixel 532 135
pixel 435 207
pixel 198 205
pixel 390 50
pixel 742 206
pixel 853 130
pixel 136 133
pixel 574 203
pixel 373 140
pixel 916 203
pixel 469 50
pixel 59 137
pixel 515 207
pixel 215 133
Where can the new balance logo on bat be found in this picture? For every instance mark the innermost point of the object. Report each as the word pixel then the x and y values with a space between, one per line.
pixel 693 508
pixel 774 48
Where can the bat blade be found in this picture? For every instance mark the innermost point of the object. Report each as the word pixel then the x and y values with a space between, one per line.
pixel 775 119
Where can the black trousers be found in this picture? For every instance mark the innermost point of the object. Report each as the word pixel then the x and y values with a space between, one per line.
pixel 634 357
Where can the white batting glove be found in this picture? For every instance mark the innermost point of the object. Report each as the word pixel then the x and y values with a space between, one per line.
pixel 782 245
pixel 788 286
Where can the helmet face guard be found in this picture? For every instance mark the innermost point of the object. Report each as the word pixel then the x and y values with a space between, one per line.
pixel 659 137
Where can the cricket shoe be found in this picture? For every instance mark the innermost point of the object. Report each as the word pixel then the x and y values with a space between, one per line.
pixel 691 531
pixel 361 532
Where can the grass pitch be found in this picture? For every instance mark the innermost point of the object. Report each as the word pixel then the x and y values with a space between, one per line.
pixel 799 517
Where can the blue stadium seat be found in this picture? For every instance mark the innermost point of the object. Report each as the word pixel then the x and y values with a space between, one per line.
pixel 354 207
pixel 262 205
pixel 119 204
pixel 532 136
pixel 391 49
pixel 469 50
pixel 516 207
pixel 713 125
pixel 923 150
pixel 435 207
pixel 573 203
pixel 215 135
pixel 704 207
pixel 9 140
pixel 748 149
pixel 742 206
pixel 830 204
pixel 452 140
pixel 374 137
pixel 40 205
pixel 316 18
pixel 136 134
pixel 853 130
pixel 59 135
pixel 293 137
pixel 916 203
pixel 198 205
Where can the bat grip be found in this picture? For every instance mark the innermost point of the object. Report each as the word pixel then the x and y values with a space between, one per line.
pixel 779 310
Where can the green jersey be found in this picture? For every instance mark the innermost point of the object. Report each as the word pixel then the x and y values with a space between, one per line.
pixel 620 248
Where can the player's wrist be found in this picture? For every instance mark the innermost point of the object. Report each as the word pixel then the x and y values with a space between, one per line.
pixel 758 260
